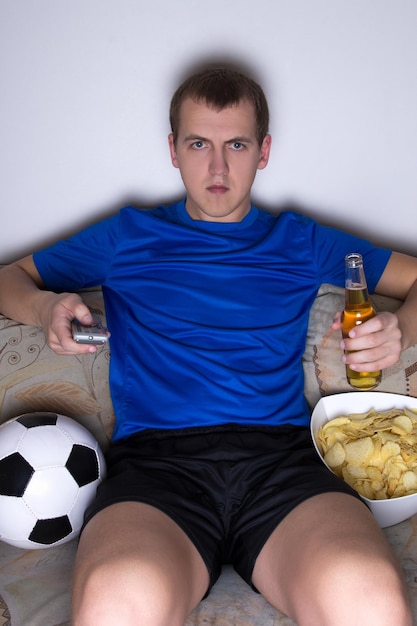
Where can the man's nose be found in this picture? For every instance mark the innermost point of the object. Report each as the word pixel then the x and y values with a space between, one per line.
pixel 218 163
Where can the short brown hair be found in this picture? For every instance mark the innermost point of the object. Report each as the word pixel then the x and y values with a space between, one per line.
pixel 219 88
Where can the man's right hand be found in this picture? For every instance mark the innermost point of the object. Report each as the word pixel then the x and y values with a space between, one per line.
pixel 23 298
pixel 56 312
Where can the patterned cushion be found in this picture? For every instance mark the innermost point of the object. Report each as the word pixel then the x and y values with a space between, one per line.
pixel 34 378
pixel 324 370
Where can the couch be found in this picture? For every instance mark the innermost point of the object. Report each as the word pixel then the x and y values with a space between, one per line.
pixel 35 584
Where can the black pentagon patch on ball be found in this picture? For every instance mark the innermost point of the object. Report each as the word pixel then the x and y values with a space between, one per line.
pixel 15 473
pixel 31 420
pixel 48 531
pixel 82 464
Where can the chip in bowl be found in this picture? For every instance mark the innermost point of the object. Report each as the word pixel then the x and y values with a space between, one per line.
pixel 369 439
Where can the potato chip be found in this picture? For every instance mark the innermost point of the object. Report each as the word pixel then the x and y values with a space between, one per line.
pixel 409 479
pixel 359 451
pixel 335 455
pixel 389 450
pixel 355 471
pixel 402 425
pixel 374 452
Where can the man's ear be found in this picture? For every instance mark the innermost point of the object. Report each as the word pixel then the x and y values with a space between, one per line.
pixel 172 150
pixel 265 152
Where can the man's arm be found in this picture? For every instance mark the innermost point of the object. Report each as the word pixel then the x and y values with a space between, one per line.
pixel 23 297
pixel 378 343
pixel 399 280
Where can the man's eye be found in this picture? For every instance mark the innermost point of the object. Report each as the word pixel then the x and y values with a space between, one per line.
pixel 198 145
pixel 237 145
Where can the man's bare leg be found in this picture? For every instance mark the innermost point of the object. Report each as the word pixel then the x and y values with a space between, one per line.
pixel 134 565
pixel 328 563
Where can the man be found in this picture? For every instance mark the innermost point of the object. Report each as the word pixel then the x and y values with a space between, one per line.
pixel 207 302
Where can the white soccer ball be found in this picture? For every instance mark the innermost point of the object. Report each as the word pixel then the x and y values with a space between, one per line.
pixel 50 467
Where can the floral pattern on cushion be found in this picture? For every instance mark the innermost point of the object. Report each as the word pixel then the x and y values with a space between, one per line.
pixel 34 378
pixel 324 370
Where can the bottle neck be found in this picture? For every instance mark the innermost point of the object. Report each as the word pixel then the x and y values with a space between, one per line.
pixel 357 298
pixel 355 278
pixel 356 289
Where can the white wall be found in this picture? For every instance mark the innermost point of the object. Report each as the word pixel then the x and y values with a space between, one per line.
pixel 86 84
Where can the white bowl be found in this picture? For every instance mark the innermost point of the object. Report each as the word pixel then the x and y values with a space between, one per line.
pixel 387 512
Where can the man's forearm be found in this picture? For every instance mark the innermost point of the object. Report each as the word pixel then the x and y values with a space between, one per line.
pixel 19 295
pixel 407 318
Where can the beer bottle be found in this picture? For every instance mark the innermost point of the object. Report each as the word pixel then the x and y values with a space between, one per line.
pixel 358 309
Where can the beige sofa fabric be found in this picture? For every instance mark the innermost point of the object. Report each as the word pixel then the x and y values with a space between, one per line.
pixel 35 584
pixel 34 378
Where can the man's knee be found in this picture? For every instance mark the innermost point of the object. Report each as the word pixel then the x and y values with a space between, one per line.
pixel 329 563
pixel 356 587
pixel 134 555
pixel 143 593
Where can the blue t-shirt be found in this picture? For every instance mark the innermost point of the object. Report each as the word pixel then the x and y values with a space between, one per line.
pixel 208 319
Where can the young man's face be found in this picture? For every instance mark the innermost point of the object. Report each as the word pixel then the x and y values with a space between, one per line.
pixel 218 154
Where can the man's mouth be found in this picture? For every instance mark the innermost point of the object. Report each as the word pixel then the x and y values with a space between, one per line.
pixel 217 189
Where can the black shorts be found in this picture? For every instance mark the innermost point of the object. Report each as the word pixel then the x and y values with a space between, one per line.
pixel 227 487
